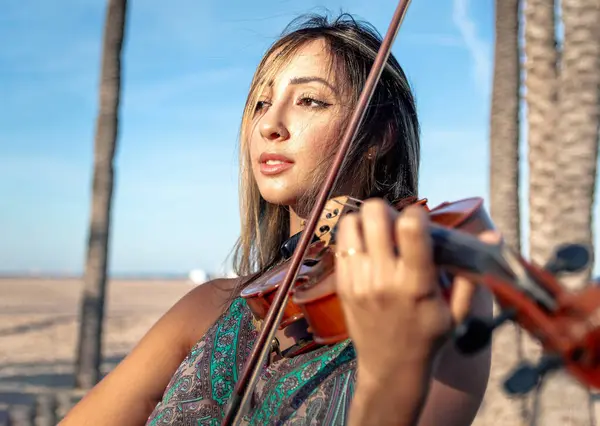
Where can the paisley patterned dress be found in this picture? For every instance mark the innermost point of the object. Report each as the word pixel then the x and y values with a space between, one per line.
pixel 314 388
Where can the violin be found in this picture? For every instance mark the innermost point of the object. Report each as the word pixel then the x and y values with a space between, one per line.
pixel 566 323
pixel 318 304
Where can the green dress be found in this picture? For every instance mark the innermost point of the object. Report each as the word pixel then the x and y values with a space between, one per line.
pixel 314 388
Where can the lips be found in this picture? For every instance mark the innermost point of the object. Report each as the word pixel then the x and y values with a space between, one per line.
pixel 274 164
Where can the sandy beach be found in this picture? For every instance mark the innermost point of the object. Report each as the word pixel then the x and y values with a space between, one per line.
pixel 39 325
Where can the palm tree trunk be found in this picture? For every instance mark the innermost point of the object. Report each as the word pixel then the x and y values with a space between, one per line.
pixel 578 127
pixel 541 83
pixel 541 86
pixel 562 171
pixel 504 197
pixel 579 124
pixel 89 349
pixel 504 124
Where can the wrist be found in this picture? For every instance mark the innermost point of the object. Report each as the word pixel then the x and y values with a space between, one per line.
pixel 395 400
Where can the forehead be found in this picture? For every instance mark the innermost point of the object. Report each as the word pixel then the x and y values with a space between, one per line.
pixel 310 59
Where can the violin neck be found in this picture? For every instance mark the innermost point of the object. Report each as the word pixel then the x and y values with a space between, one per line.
pixel 458 250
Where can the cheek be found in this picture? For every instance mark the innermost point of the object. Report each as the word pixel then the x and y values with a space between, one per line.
pixel 320 143
pixel 252 145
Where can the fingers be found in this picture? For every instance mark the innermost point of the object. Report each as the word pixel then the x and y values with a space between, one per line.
pixel 414 239
pixel 462 296
pixel 349 246
pixel 463 289
pixel 367 240
pixel 378 230
pixel 366 245
pixel 350 234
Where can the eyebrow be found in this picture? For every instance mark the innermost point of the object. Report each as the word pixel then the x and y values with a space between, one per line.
pixel 310 79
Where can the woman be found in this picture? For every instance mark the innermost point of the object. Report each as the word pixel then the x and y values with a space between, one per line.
pixel 396 368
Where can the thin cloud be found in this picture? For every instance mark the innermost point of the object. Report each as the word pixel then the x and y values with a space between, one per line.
pixel 443 40
pixel 479 48
pixel 181 86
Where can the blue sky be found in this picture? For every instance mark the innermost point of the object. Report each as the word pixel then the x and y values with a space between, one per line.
pixel 187 68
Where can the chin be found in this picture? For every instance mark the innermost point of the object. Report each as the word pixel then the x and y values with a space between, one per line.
pixel 277 190
pixel 278 197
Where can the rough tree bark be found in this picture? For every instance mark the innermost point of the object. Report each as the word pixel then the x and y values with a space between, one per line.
pixel 541 86
pixel 561 180
pixel 504 197
pixel 89 350
pixel 578 127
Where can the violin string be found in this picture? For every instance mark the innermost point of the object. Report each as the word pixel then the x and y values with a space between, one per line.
pixel 356 200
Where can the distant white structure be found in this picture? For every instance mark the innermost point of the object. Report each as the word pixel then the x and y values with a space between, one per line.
pixel 198 276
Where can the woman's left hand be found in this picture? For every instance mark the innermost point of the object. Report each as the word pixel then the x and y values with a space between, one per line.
pixel 395 313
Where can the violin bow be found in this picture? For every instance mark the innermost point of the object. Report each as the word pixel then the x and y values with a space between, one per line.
pixel 261 349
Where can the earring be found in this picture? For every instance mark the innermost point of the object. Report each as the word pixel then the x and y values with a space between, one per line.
pixel 371 153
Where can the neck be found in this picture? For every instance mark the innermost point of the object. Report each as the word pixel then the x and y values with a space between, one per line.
pixel 296 222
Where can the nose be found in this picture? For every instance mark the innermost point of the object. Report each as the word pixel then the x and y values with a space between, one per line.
pixel 272 127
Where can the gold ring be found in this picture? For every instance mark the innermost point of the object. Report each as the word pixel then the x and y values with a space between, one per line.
pixel 346 253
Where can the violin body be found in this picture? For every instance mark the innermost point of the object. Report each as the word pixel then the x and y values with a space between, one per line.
pixel 260 293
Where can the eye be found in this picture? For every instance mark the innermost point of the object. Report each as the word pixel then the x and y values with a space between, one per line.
pixel 260 105
pixel 311 102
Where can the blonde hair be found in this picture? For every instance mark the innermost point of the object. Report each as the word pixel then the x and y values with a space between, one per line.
pixel 390 126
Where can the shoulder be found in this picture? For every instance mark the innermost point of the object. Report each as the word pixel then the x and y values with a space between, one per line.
pixel 201 307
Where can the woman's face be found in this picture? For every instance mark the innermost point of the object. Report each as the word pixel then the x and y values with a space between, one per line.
pixel 296 126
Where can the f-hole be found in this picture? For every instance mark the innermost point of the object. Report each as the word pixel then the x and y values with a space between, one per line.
pixel 310 262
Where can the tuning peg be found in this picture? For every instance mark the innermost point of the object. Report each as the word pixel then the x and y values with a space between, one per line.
pixel 527 376
pixel 569 258
pixel 474 334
